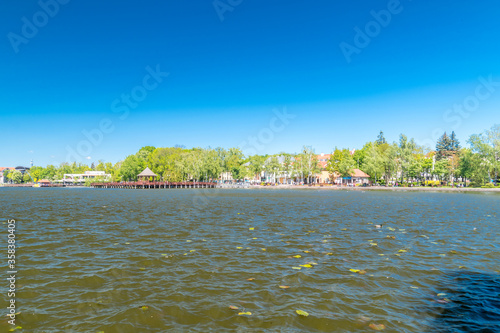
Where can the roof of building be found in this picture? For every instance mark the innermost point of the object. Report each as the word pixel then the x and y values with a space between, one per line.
pixel 6 168
pixel 360 174
pixel 43 181
pixel 147 173
pixel 356 173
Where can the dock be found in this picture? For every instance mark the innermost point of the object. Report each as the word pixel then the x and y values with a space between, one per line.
pixel 154 185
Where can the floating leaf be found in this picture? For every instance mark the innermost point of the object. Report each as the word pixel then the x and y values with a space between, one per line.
pixel 250 279
pixel 296 267
pixel 232 307
pixel 402 251
pixel 329 254
pixel 263 249
pixel 251 228
pixel 391 229
pixel 453 251
pixel 144 307
pixel 312 263
pixel 239 247
pixel 461 267
pixel 354 270
pixel 188 241
pixel 302 313
pixel 441 295
pixel 284 287
pixel 306 251
pixel 377 327
pixel 373 244
pixel 244 314
pixel 127 243
pixel 192 250
pixel 364 319
pixel 413 287
pixel 297 256
pixel 306 266
pixel 362 272
pixel 344 229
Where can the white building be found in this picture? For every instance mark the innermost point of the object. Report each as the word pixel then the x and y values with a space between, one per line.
pixel 72 178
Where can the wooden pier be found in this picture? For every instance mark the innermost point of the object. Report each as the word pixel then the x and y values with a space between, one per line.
pixel 155 185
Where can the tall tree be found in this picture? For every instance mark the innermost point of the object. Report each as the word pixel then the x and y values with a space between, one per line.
pixel 381 139
pixel 487 145
pixel 341 163
pixel 443 146
pixel 454 143
pixel 372 164
pixel 309 162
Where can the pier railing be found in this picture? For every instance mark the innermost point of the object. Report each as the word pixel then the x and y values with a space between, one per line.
pixel 152 185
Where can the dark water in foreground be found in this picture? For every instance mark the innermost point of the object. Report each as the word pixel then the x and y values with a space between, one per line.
pixel 175 260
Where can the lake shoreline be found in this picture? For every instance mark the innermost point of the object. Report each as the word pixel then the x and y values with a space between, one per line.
pixel 377 188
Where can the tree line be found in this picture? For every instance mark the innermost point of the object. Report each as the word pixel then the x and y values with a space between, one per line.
pixel 403 161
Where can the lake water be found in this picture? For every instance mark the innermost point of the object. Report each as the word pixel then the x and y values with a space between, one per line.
pixel 111 260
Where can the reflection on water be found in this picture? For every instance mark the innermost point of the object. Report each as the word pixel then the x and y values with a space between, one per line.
pixel 471 303
pixel 175 260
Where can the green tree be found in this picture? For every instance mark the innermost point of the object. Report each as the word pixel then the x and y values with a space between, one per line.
pixel 309 163
pixel 26 178
pixel 454 143
pixel 441 169
pixel 273 167
pixel 130 168
pixel 405 155
pixel 443 146
pixel 233 161
pixel 381 139
pixel 288 166
pixel 16 176
pixel 372 164
pixel 487 145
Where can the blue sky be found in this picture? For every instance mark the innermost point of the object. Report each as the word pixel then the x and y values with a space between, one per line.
pixel 230 65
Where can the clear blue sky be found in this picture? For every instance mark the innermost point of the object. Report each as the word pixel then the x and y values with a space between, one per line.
pixel 231 66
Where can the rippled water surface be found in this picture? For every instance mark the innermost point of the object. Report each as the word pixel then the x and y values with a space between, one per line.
pixel 175 260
